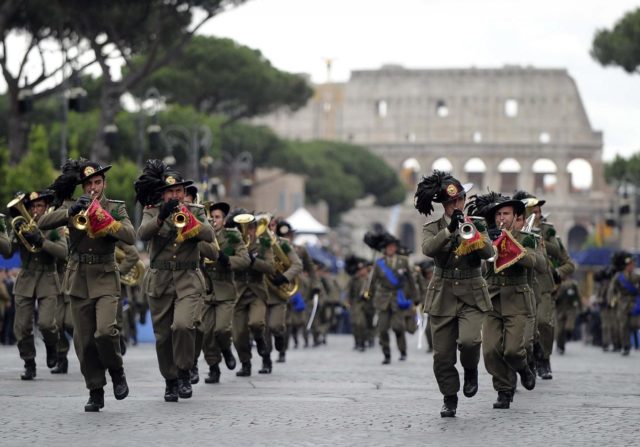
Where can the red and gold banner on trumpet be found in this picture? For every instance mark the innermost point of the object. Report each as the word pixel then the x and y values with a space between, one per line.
pixel 100 222
pixel 191 227
pixel 509 251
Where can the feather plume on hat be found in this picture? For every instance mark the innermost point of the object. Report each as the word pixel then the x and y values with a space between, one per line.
pixel 479 204
pixel 427 191
pixel 375 239
pixel 353 263
pixel 149 182
pixel 66 183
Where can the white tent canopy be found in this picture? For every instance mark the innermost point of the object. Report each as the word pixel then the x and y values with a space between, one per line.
pixel 303 222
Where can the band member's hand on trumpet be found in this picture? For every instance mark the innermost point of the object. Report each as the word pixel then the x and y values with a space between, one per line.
pixel 167 209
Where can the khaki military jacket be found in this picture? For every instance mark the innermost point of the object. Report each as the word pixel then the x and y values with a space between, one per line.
pixel 618 294
pixel 5 244
pixel 173 265
pixel 309 268
pixel 130 259
pixel 355 290
pixel 252 278
pixel 38 277
pixel 383 293
pixel 510 290
pixel 219 278
pixel 557 253
pixel 444 292
pixel 91 279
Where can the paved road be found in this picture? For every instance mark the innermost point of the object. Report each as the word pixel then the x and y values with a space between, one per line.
pixel 326 396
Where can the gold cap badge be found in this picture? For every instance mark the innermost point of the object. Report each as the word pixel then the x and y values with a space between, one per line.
pixel 452 190
pixel 88 171
pixel 170 180
pixel 33 196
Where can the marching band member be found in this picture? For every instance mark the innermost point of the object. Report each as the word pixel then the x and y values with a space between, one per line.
pixel 92 280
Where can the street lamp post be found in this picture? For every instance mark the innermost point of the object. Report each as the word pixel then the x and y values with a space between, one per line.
pixel 193 139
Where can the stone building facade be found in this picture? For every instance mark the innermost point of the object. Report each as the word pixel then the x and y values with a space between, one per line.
pixel 505 129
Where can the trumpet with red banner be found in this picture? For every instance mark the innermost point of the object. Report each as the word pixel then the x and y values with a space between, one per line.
pixel 186 223
pixel 99 222
pixel 508 249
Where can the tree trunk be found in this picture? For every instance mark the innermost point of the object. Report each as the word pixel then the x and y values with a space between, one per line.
pixel 18 130
pixel 109 107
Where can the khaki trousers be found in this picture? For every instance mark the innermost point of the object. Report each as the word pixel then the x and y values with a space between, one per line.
pixel 96 337
pixel 174 326
pixel 503 347
pixel 65 324
pixel 461 332
pixel 388 319
pixel 217 321
pixel 23 324
pixel 249 316
pixel 276 327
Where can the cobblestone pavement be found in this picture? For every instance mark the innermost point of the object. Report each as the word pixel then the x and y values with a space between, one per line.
pixel 329 395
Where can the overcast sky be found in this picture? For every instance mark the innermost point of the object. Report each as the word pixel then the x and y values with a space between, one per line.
pixel 297 35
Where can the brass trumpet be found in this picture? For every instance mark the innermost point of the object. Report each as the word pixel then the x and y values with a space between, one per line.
pixel 81 221
pixel 179 219
pixel 28 224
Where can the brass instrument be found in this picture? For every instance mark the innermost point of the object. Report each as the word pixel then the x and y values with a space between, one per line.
pixel 179 219
pixel 244 220
pixel 528 226
pixel 28 224
pixel 281 261
pixel 133 276
pixel 80 221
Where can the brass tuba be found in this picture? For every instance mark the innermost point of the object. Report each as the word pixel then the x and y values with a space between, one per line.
pixel 28 224
pixel 244 220
pixel 133 276
pixel 281 261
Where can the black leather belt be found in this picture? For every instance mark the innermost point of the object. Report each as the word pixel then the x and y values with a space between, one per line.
pixel 174 265
pixel 457 273
pixel 218 276
pixel 40 268
pixel 248 276
pixel 87 258
pixel 507 280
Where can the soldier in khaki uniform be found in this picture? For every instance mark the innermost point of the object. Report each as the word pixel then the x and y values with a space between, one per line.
pixel 221 291
pixel 505 326
pixel 5 243
pixel 457 298
pixel 567 308
pixel 174 284
pixel 64 322
pixel 37 282
pixel 92 280
pixel 424 273
pixel 559 265
pixel 358 271
pixel 392 291
pixel 249 314
pixel 278 300
pixel 607 316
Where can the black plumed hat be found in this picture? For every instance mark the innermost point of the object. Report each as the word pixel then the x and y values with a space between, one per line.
pixel 439 187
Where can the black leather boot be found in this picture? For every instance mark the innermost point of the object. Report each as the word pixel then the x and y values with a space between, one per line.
pixel 261 346
pixel 546 373
pixel 449 407
pixel 52 356
pixel 527 378
pixel 504 400
pixel 266 365
pixel 29 370
pixel 96 400
pixel 245 370
pixel 387 359
pixel 470 387
pixel 281 357
pixel 229 359
pixel 119 380
pixel 403 356
pixel 194 375
pixel 63 365
pixel 214 374
pixel 184 384
pixel 171 390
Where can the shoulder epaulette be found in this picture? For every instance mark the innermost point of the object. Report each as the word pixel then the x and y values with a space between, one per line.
pixel 431 222
pixel 116 201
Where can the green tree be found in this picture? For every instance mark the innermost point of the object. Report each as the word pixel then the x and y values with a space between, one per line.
pixel 621 45
pixel 35 171
pixel 220 76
